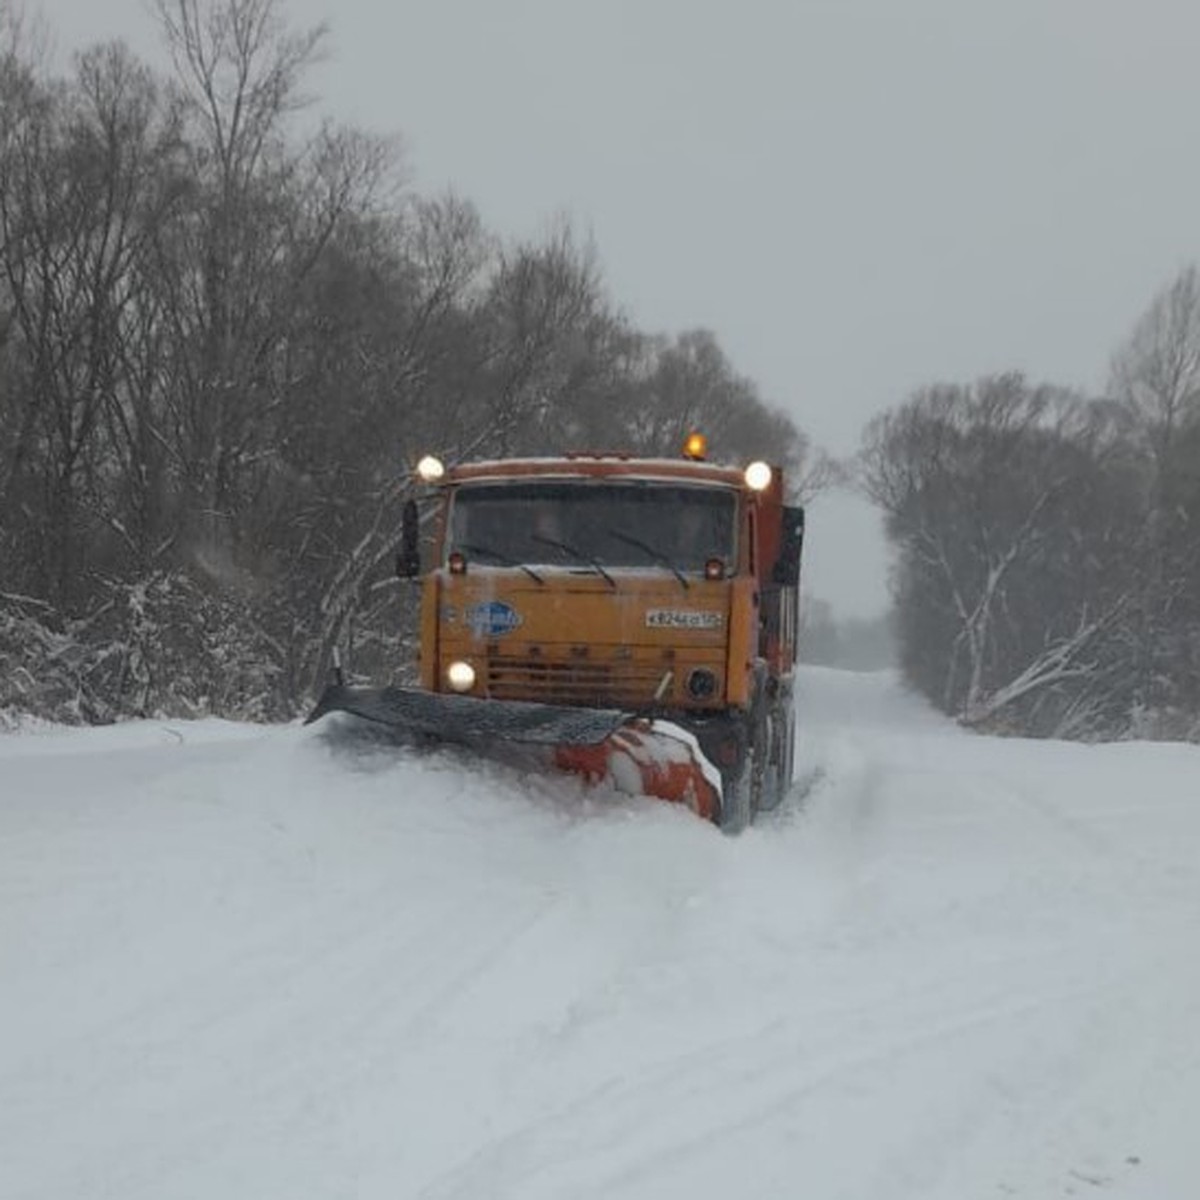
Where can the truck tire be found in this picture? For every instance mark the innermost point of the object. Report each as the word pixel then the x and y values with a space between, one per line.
pixel 742 788
pixel 736 812
pixel 742 785
pixel 781 752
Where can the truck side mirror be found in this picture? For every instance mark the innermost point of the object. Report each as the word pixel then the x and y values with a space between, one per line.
pixel 408 561
pixel 787 567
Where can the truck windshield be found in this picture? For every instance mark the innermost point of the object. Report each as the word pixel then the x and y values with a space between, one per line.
pixel 667 526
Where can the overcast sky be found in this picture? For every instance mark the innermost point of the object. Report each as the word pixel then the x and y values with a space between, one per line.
pixel 857 196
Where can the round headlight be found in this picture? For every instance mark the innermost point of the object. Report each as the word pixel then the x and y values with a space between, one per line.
pixel 460 676
pixel 702 684
pixel 758 476
pixel 430 469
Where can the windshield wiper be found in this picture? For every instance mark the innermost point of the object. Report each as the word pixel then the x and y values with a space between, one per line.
pixel 496 556
pixel 656 554
pixel 576 554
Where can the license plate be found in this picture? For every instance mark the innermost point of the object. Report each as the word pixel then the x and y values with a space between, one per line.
pixel 683 618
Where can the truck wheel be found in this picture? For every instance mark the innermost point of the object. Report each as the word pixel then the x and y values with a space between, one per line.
pixel 777 775
pixel 742 789
pixel 735 803
pixel 789 747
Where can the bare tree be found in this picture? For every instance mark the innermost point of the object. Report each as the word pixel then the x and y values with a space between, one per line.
pixel 1156 374
pixel 232 273
pixel 78 197
pixel 541 302
pixel 691 385
pixel 1156 380
pixel 997 498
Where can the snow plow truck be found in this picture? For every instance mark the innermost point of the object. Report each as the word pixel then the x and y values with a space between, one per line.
pixel 631 620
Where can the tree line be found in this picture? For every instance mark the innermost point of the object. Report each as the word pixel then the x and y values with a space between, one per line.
pixel 1046 576
pixel 227 330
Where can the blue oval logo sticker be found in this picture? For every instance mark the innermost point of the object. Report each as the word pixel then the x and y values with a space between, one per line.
pixel 493 619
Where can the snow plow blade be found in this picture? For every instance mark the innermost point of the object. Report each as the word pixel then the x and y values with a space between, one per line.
pixel 467 721
pixel 636 755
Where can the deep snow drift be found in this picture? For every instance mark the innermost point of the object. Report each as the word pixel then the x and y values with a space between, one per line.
pixel 238 963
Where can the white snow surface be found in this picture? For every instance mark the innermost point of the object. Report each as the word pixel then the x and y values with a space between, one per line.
pixel 254 963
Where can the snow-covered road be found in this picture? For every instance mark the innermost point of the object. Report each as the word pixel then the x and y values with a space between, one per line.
pixel 238 963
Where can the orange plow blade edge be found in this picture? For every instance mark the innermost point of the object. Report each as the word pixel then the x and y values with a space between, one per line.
pixel 649 758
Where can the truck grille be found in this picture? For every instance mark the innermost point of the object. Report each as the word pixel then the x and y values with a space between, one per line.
pixel 575 681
